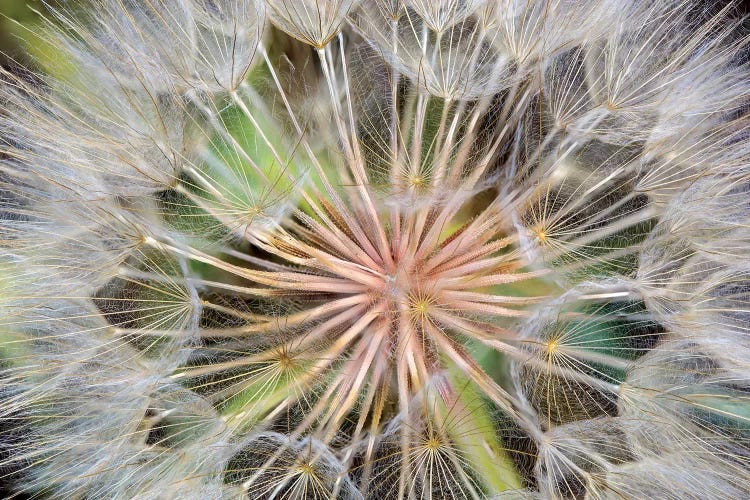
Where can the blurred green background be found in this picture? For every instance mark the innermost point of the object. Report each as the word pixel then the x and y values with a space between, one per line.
pixel 11 11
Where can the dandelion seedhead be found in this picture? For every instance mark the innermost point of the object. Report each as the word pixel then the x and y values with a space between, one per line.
pixel 377 249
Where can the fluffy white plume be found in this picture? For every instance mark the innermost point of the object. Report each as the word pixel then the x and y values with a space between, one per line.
pixel 378 249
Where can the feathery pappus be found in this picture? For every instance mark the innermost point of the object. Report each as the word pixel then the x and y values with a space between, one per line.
pixel 314 249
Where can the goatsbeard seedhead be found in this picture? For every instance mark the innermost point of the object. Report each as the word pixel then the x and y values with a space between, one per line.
pixel 377 249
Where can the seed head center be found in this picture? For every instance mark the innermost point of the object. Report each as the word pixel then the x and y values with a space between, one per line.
pixel 400 283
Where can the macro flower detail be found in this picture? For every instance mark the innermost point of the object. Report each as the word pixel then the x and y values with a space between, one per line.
pixel 386 249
